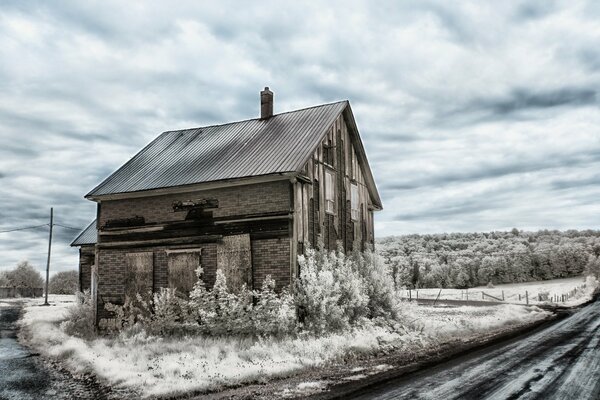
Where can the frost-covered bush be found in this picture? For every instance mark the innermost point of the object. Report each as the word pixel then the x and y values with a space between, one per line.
pixel 215 312
pixel 80 318
pixel 273 314
pixel 219 311
pixel 379 284
pixel 335 291
pixel 260 312
pixel 134 312
pixel 171 314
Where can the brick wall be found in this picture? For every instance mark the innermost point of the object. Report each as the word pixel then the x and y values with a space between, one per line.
pixel 235 200
pixel 112 271
pixel 86 260
pixel 271 256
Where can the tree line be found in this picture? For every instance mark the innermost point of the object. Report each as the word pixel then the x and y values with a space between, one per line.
pixel 24 275
pixel 463 260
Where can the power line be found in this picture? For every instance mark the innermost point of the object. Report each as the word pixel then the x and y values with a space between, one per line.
pixel 68 227
pixel 22 229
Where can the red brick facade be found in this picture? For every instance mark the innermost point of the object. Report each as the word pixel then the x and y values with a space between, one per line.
pixel 270 255
pixel 233 200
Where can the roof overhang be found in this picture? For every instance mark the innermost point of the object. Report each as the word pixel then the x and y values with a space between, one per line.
pixel 195 187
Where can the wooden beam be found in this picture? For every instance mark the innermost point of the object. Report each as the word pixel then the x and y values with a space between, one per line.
pixel 177 251
pixel 231 221
pixel 125 231
pixel 166 241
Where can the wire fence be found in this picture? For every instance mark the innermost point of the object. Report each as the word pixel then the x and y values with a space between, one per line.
pixel 511 295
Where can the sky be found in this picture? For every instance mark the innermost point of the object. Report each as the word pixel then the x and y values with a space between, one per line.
pixel 476 116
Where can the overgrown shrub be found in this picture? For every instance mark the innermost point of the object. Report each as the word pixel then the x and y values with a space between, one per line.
pixel 213 312
pixel 134 311
pixel 80 318
pixel 335 291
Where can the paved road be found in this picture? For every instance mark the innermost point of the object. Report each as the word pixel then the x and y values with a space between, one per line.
pixel 23 375
pixel 561 361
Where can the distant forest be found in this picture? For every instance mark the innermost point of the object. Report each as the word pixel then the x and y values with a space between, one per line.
pixel 462 260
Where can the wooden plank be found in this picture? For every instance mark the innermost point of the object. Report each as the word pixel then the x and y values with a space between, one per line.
pixel 305 212
pixel 177 251
pixel 234 258
pixel 182 266
pixel 127 231
pixel 298 211
pixel 274 217
pixel 139 276
pixel 156 242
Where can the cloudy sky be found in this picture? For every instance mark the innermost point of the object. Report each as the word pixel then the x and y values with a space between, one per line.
pixel 475 116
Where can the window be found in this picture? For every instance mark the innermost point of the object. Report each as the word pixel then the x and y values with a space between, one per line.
pixel 354 202
pixel 329 191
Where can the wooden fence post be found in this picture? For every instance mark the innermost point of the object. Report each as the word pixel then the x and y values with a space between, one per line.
pixel 527 297
pixel 503 295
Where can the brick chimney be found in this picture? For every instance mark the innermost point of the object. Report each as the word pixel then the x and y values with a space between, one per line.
pixel 266 103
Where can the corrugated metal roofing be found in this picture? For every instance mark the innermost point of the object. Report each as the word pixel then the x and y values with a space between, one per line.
pixel 88 236
pixel 236 150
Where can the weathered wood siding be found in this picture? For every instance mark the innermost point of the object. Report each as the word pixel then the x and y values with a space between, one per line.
pixel 313 224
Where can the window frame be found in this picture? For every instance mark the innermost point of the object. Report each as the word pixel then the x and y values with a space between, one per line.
pixel 329 190
pixel 354 201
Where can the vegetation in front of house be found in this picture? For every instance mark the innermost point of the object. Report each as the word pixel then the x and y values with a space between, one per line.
pixel 463 260
pixel 334 292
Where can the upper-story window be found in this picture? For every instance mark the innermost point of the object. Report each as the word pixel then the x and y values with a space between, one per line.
pixel 329 191
pixel 354 201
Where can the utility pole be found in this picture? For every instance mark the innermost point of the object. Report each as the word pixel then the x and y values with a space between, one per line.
pixel 49 250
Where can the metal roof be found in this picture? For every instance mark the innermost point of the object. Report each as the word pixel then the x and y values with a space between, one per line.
pixel 254 147
pixel 88 236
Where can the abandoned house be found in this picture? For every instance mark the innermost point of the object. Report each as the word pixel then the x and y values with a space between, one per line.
pixel 246 197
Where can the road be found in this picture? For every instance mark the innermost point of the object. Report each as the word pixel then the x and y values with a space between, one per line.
pixel 24 376
pixel 561 361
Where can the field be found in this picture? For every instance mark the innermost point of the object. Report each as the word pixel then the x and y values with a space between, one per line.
pixel 567 292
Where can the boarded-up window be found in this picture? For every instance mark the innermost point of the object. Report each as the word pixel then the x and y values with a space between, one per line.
pixel 139 274
pixel 234 258
pixel 182 271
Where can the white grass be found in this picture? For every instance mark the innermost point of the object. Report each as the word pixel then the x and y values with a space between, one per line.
pixel 516 293
pixel 154 366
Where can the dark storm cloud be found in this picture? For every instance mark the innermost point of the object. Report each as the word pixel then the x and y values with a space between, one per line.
pixel 523 99
pixel 519 105
pixel 458 209
pixel 562 184
pixel 485 170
